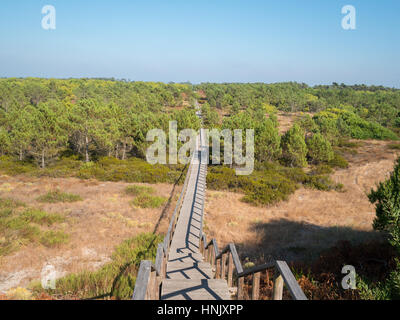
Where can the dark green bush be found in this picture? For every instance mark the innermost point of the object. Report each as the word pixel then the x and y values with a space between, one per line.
pixel 338 161
pixel 386 198
pixel 131 170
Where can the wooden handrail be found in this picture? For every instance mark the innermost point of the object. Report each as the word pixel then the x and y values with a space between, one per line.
pixel 150 276
pixel 283 274
pixel 146 287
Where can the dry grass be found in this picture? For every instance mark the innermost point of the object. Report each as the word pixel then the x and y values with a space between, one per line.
pixel 95 225
pixel 310 220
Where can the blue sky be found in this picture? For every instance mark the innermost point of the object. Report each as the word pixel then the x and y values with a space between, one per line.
pixel 203 41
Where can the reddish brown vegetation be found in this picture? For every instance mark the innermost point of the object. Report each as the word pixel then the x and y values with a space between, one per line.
pixel 321 280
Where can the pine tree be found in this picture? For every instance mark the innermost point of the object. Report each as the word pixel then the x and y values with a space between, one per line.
pixel 319 149
pixel 49 128
pixel 268 142
pixel 294 148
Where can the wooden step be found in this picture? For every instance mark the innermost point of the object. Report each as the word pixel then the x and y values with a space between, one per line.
pixel 185 257
pixel 189 270
pixel 195 289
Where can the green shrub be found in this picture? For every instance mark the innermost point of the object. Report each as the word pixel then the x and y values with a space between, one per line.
pixel 53 238
pixel 105 169
pixel 262 187
pixel 322 169
pixel 334 123
pixel 388 289
pixel 63 168
pixel 323 183
pixel 269 183
pixel 319 149
pixel 387 206
pixel 41 217
pixel 338 161
pixel 342 143
pixel 294 148
pixel 58 196
pixel 136 190
pixel 18 228
pixel 394 146
pixel 131 170
pixel 148 201
pixel 12 167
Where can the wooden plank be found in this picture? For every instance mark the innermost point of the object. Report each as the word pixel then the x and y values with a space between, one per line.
pixel 236 259
pixel 240 290
pixel 218 269
pixel 195 289
pixel 290 281
pixel 230 270
pixel 260 268
pixel 142 280
pixel 278 287
pixel 255 290
pixel 223 266
pixel 159 258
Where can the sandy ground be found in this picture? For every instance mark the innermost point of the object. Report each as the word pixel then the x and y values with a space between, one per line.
pixel 96 225
pixel 310 220
pixel 286 119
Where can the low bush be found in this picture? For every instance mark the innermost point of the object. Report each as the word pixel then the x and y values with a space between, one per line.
pixel 136 190
pixel 148 201
pixel 105 169
pixel 53 238
pixel 58 196
pixel 19 227
pixel 268 184
pixel 131 170
pixel 338 161
pixel 41 217
pixel 322 169
pixel 394 146
pixel 11 167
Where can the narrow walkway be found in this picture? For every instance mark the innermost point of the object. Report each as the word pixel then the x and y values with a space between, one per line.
pixel 188 277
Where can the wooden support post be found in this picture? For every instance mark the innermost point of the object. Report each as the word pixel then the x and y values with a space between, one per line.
pixel 278 287
pixel 223 266
pixel 230 269
pixel 240 289
pixel 256 286
pixel 218 269
pixel 151 287
pixel 164 268
pixel 158 287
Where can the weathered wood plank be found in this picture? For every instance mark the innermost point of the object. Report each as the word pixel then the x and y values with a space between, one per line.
pixel 255 290
pixel 278 287
pixel 142 280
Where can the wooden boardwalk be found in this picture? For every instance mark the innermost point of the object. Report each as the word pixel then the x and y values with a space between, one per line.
pixel 188 277
pixel 187 267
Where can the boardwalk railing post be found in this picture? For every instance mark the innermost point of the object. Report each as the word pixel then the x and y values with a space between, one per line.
pixel 218 269
pixel 256 286
pixel 240 289
pixel 223 266
pixel 278 287
pixel 230 269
